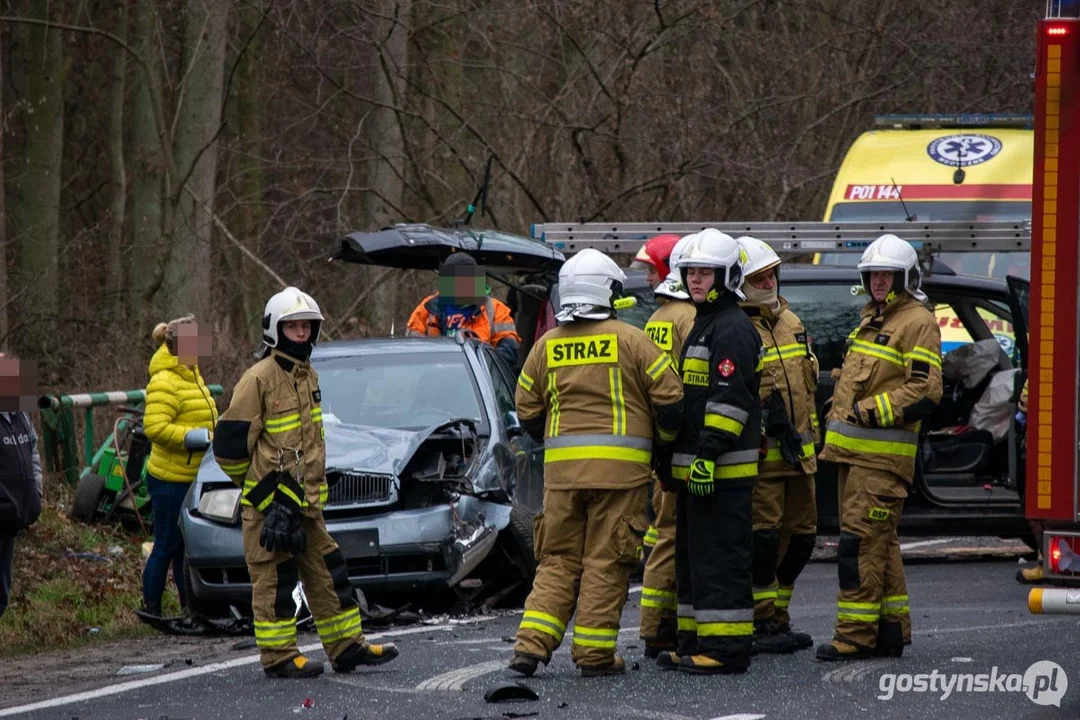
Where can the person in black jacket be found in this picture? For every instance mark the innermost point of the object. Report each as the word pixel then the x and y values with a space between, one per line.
pixel 716 454
pixel 21 484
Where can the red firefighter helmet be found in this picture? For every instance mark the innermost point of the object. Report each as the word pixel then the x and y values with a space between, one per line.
pixel 656 252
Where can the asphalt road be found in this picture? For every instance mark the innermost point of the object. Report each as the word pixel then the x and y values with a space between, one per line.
pixel 969 618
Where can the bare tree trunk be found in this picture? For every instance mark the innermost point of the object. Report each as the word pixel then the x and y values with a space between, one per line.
pixel 249 122
pixel 5 293
pixel 148 159
pixel 187 278
pixel 383 201
pixel 114 267
pixel 37 215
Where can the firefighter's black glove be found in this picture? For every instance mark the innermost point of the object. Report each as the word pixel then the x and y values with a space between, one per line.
pixel 778 425
pixel 282 530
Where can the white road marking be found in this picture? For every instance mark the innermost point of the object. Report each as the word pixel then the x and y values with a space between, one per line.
pixel 740 716
pixel 455 679
pixel 923 543
pixel 961 659
pixel 635 589
pixel 206 670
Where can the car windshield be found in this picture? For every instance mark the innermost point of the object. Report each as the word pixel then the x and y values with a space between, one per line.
pixel 829 313
pixel 398 390
pixel 993 265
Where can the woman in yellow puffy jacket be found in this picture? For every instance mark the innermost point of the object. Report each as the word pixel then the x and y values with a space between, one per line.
pixel 180 412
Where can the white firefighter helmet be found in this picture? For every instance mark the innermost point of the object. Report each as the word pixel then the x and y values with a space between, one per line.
pixel 759 255
pixel 290 304
pixel 892 254
pixel 672 286
pixel 711 248
pixel 590 278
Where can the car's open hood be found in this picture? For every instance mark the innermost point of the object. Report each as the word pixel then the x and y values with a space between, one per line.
pixel 423 247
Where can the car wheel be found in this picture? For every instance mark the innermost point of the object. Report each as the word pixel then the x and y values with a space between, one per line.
pixel 519 540
pixel 208 609
pixel 87 497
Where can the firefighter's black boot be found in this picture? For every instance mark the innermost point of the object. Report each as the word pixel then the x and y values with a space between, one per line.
pixel 769 639
pixel 363 654
pixel 615 667
pixel 295 667
pixel 838 651
pixel 890 639
pixel 668 660
pixel 802 640
pixel 525 663
pixel 705 665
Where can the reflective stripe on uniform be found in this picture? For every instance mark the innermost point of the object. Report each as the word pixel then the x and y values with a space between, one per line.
pixel 651 536
pixel 687 622
pixel 525 381
pixel 721 416
pixel 275 633
pixel 324 493
pixel 764 593
pixel 666 435
pixel 657 598
pixel 283 424
pixel 724 623
pixel 895 605
pixel 235 468
pixel 339 626
pixel 595 637
pixel 553 406
pixel 880 352
pixel 858 612
pixel 884 408
pixel 772 452
pixel 657 369
pixel 783 352
pixel 316 414
pixel 872 441
pixel 598 447
pixel 783 597
pixel 925 355
pixel 729 466
pixel 618 401
pixel 542 622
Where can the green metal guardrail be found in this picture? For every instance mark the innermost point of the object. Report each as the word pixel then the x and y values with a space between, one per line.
pixel 58 427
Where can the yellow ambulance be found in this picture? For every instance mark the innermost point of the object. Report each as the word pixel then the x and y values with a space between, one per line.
pixel 941 168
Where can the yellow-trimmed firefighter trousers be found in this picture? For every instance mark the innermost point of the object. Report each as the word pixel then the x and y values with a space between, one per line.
pixel 872 606
pixel 659 600
pixel 586 542
pixel 329 593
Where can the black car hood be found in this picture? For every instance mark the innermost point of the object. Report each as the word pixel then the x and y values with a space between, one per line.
pixel 424 247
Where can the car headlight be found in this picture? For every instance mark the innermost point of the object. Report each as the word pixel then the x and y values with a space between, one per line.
pixel 220 505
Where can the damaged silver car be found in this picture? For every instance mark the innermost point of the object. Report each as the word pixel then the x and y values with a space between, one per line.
pixel 432 481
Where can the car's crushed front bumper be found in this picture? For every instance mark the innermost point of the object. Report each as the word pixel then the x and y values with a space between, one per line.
pixel 399 550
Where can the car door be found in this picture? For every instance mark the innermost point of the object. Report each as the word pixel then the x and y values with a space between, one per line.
pixel 528 454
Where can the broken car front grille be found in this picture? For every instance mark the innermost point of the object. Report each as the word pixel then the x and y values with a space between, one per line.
pixel 361 489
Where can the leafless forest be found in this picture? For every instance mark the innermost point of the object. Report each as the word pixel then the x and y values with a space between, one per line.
pixel 161 157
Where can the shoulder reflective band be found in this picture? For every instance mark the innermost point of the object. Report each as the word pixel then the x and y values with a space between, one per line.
pixel 525 381
pixel 783 352
pixel 921 353
pixel 583 350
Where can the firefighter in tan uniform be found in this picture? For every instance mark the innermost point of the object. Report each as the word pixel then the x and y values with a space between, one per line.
pixel 601 395
pixel 668 327
pixel 271 442
pixel 890 382
pixel 785 508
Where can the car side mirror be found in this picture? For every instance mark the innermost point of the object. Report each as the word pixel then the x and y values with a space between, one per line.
pixel 513 425
pixel 197 440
